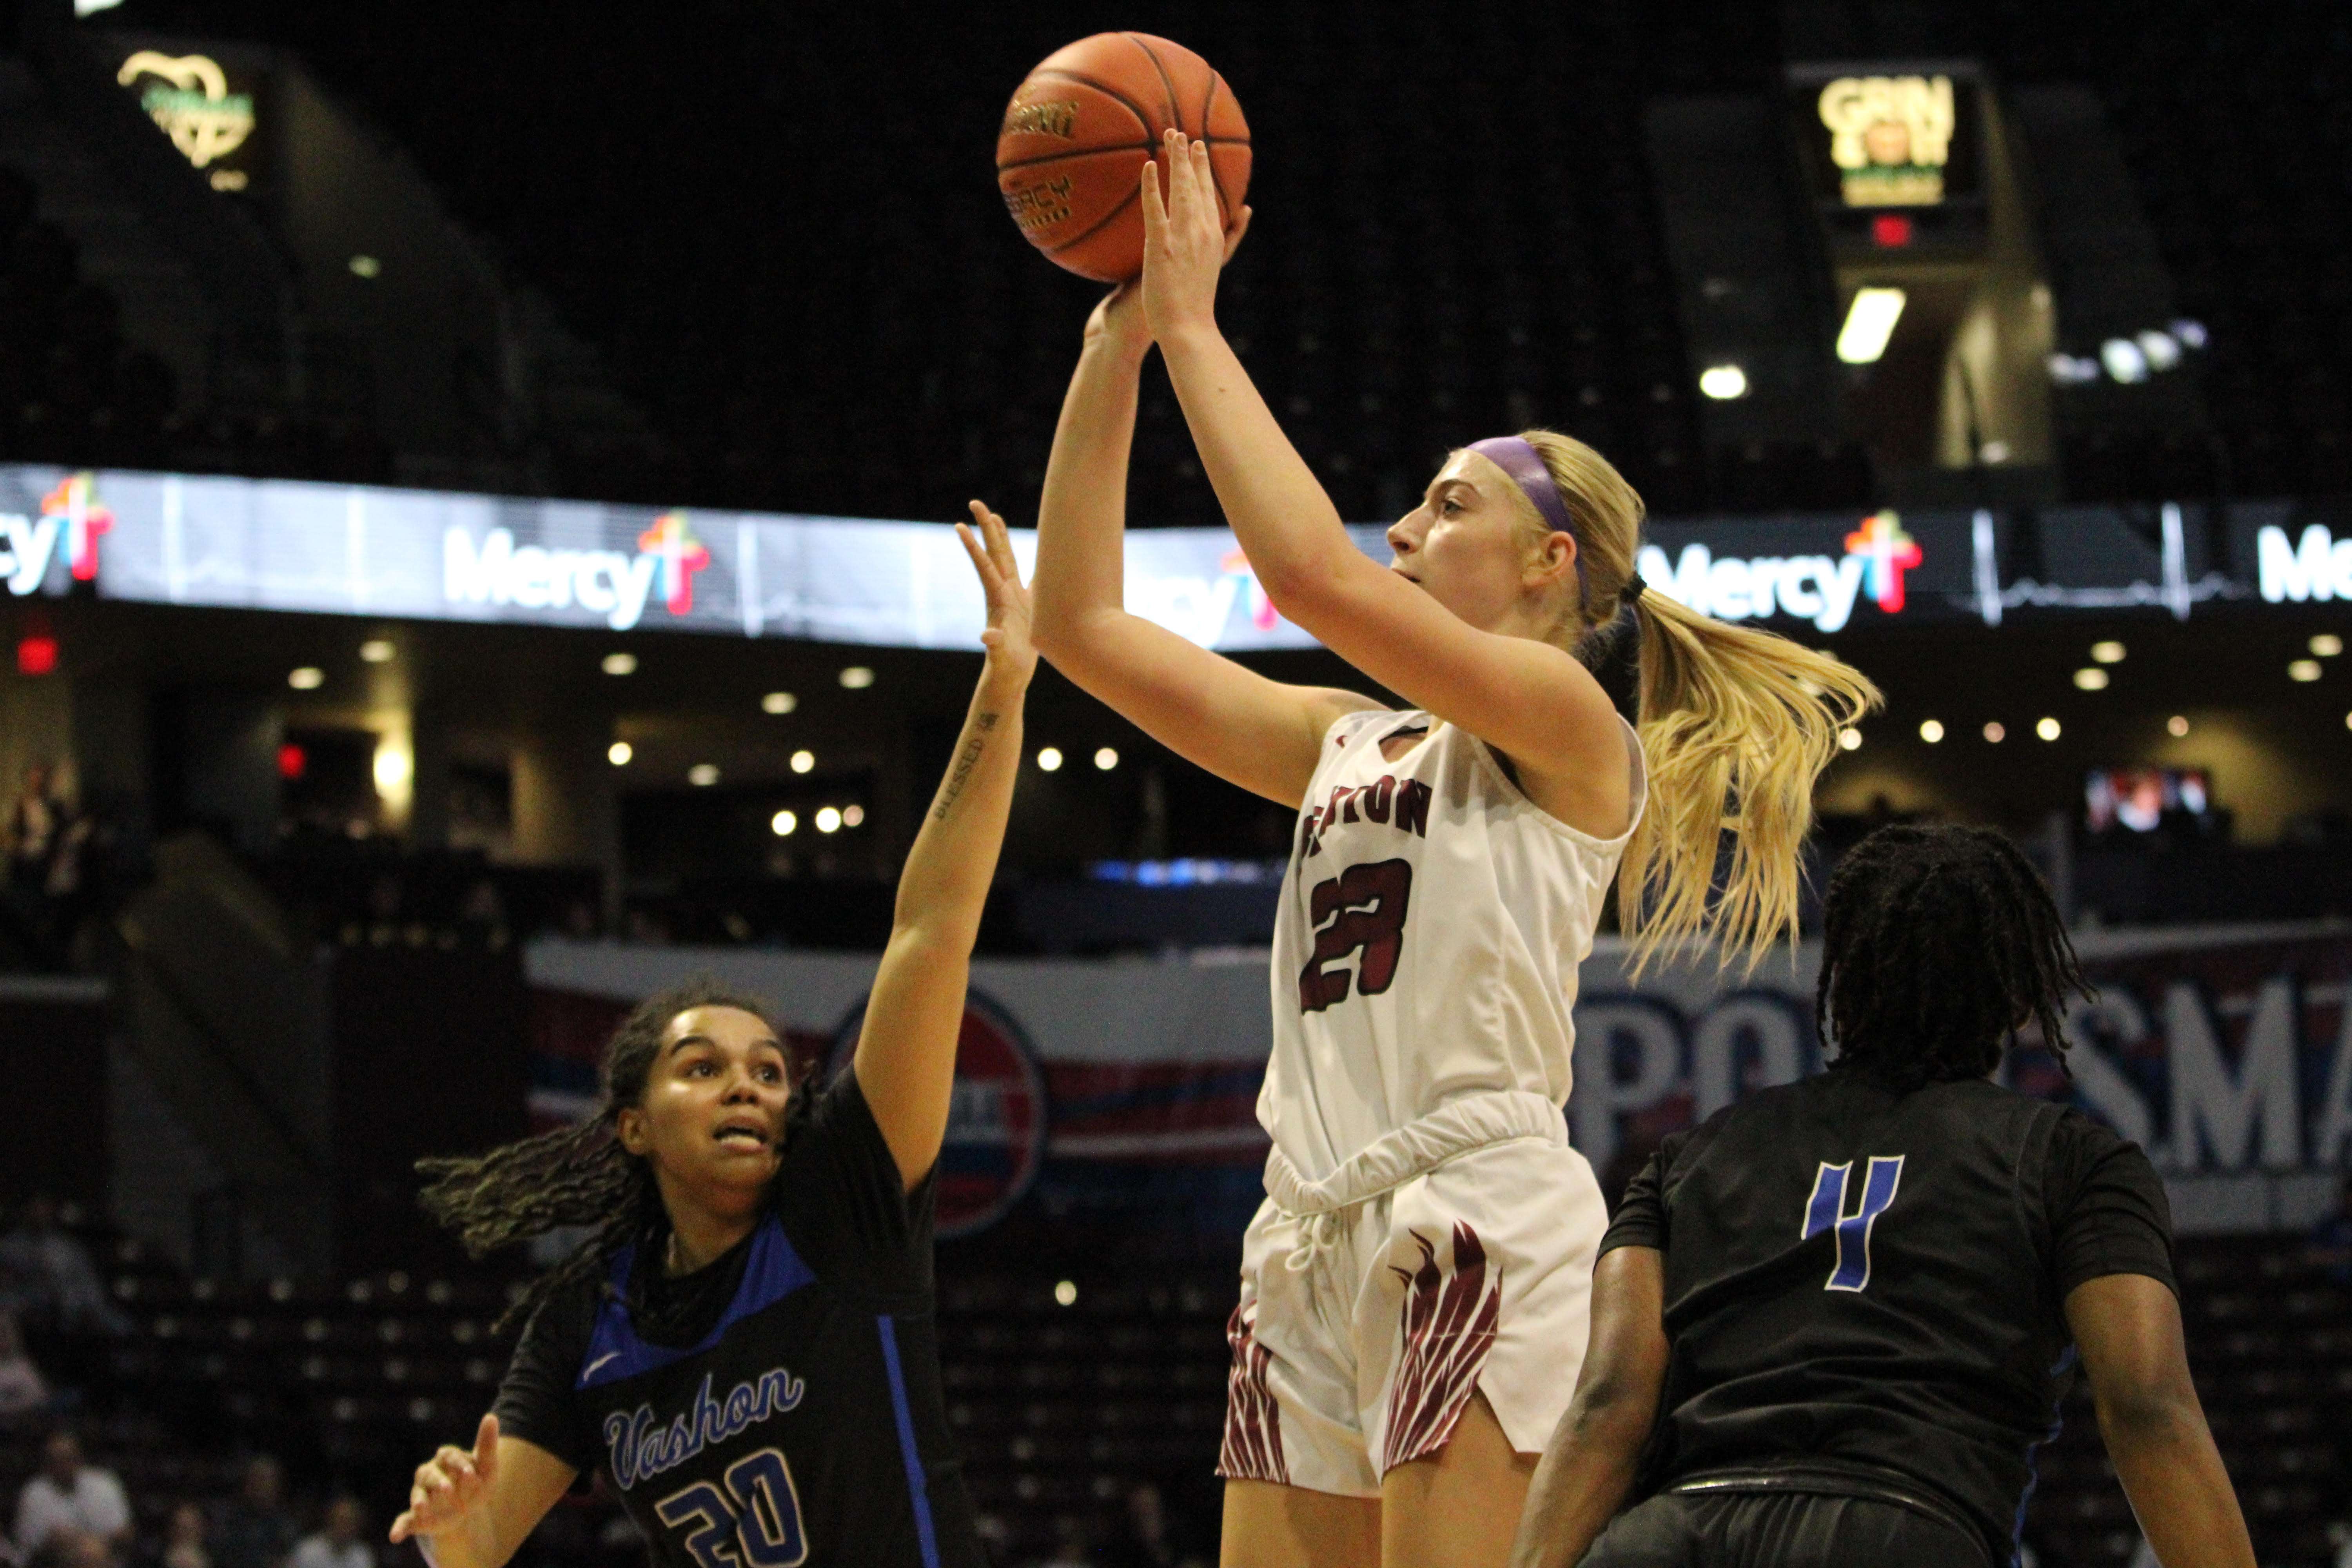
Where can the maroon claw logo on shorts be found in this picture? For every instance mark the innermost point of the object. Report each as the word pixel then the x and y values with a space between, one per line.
pixel 1449 1325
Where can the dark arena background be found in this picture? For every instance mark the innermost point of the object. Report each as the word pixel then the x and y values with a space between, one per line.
pixel 472 496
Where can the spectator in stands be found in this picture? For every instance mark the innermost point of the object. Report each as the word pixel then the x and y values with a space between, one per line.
pixel 2331 1239
pixel 23 1390
pixel 254 1530
pixel 46 1275
pixel 340 1542
pixel 71 1549
pixel 183 1540
pixel 71 1495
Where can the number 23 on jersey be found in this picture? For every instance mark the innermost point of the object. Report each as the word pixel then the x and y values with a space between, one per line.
pixel 1360 911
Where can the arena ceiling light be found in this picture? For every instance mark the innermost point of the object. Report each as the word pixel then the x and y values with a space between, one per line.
pixel 2176 726
pixel 1869 322
pixel 1849 739
pixel 2048 729
pixel 619 753
pixel 856 678
pixel 310 678
pixel 828 820
pixel 803 760
pixel 2109 652
pixel 779 702
pixel 620 664
pixel 1723 382
pixel 1049 759
pixel 784 823
pixel 2327 644
pixel 1931 730
pixel 2304 670
pixel 1106 759
pixel 851 814
pixel 376 651
pixel 1995 732
pixel 702 775
pixel 2091 678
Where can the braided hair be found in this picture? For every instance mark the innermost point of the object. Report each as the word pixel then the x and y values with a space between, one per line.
pixel 1938 944
pixel 579 1175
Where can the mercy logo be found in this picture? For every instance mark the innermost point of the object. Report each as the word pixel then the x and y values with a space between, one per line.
pixel 681 556
pixel 606 583
pixel 26 546
pixel 1197 608
pixel 1889 552
pixel 2318 567
pixel 86 517
pixel 1814 588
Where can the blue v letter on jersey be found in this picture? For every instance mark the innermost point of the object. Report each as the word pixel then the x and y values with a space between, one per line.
pixel 1827 1211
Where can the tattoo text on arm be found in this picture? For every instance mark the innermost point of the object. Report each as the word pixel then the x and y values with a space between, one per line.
pixel 965 760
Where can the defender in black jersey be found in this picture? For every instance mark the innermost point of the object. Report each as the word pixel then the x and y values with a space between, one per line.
pixel 1832 1324
pixel 747 1345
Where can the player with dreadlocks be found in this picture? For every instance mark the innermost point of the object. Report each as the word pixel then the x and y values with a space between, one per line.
pixel 1831 1324
pixel 746 1342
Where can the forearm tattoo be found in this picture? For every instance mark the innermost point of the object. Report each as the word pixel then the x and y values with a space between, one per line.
pixel 965 760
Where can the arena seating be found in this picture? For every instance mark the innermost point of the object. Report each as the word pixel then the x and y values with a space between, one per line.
pixel 1061 1407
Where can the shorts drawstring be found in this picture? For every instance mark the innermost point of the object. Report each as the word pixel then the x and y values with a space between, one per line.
pixel 1318 1234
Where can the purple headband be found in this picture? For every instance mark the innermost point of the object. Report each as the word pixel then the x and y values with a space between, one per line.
pixel 1519 460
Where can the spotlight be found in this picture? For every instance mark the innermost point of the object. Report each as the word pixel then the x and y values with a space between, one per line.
pixel 1066 1291
pixel 1932 730
pixel 827 819
pixel 2046 728
pixel 1869 322
pixel 620 664
pixel 1723 382
pixel 619 752
pixel 310 678
pixel 803 760
pixel 779 702
pixel 1049 759
pixel 783 824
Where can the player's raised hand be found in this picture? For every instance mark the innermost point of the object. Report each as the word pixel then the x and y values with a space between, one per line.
pixel 449 1487
pixel 1011 648
pixel 1185 241
pixel 1118 321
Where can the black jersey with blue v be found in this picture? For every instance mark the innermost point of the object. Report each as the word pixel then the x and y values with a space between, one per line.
pixel 781 1405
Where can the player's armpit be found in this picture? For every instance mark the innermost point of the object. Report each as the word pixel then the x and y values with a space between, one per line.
pixel 1589 1467
pixel 2128 1327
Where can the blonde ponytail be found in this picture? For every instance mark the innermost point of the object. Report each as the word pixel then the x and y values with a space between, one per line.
pixel 1736 724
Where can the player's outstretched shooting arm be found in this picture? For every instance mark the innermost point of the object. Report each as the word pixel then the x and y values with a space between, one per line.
pixel 1589 1466
pixel 473 1508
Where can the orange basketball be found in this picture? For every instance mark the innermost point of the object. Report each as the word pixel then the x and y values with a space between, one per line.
pixel 1070 156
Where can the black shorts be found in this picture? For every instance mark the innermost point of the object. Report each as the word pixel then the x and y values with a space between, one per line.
pixel 1780 1529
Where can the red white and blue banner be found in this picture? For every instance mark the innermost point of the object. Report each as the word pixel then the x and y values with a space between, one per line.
pixel 1115 1100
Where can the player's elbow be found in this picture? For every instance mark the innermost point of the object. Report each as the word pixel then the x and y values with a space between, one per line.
pixel 2145 1412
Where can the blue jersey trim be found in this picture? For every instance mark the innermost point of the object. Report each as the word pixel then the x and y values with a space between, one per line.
pixel 917 1492
pixel 771 1273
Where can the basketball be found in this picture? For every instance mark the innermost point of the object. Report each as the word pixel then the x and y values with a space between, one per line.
pixel 1079 130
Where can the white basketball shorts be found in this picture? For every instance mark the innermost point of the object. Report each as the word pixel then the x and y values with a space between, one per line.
pixel 1453 1256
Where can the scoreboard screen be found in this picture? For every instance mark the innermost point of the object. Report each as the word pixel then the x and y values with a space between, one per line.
pixel 1881 142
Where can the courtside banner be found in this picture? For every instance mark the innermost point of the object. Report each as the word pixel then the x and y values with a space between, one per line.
pixel 283 544
pixel 1118 1096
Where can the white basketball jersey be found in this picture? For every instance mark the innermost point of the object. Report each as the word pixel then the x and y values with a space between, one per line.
pixel 1431 923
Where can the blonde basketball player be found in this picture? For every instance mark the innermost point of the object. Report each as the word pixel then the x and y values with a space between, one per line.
pixel 1414 1290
